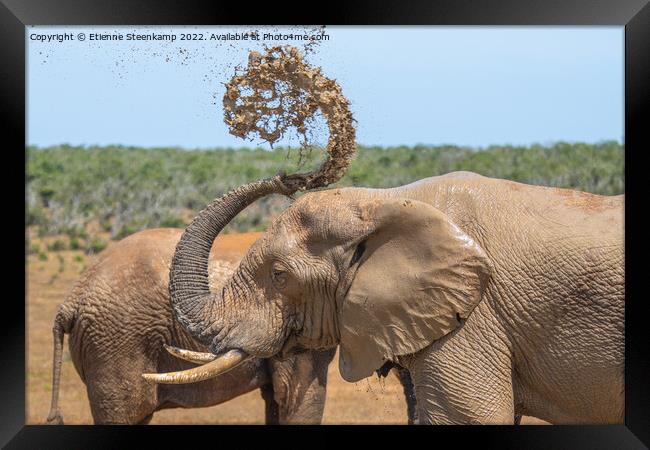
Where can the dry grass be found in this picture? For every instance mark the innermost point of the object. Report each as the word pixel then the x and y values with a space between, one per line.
pixel 48 282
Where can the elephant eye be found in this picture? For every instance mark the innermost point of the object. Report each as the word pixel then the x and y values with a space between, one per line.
pixel 358 253
pixel 279 276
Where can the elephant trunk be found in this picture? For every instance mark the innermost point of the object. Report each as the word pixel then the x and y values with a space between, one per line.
pixel 194 306
pixel 191 299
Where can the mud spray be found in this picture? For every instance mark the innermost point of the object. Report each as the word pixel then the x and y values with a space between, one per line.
pixel 277 92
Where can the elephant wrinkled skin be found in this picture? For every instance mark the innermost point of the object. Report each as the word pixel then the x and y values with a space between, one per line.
pixel 500 298
pixel 118 316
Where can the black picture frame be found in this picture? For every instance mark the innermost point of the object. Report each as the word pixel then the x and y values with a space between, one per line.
pixel 634 15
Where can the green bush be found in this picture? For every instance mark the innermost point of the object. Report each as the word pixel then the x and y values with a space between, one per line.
pixel 74 243
pixel 75 232
pixel 57 246
pixel 42 256
pixel 106 224
pixel 128 189
pixel 96 245
pixel 127 230
pixel 36 215
pixel 173 222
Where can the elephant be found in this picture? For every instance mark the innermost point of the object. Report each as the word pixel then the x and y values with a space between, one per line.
pixel 501 298
pixel 118 318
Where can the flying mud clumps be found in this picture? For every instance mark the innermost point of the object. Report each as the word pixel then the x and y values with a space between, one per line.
pixel 277 92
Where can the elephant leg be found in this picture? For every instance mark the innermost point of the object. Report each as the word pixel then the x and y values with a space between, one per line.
pixel 409 394
pixel 271 409
pixel 299 386
pixel 463 378
pixel 119 396
pixel 407 384
pixel 110 410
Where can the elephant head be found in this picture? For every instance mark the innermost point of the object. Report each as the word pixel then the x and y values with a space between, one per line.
pixel 382 276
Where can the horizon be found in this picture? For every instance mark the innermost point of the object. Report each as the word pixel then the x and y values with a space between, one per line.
pixel 289 148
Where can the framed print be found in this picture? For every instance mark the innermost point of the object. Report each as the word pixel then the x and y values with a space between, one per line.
pixel 418 215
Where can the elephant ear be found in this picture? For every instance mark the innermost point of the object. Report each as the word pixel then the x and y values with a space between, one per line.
pixel 417 277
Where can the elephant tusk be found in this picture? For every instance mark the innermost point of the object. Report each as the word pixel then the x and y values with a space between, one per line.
pixel 191 356
pixel 212 369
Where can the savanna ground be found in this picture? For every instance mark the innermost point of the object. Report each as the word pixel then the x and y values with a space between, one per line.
pixel 49 280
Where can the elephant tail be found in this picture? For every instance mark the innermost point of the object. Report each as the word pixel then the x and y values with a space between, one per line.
pixel 63 323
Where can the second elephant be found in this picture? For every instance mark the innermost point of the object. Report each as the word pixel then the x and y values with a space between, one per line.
pixel 118 317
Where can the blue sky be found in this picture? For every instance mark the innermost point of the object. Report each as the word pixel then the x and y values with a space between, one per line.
pixel 473 86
